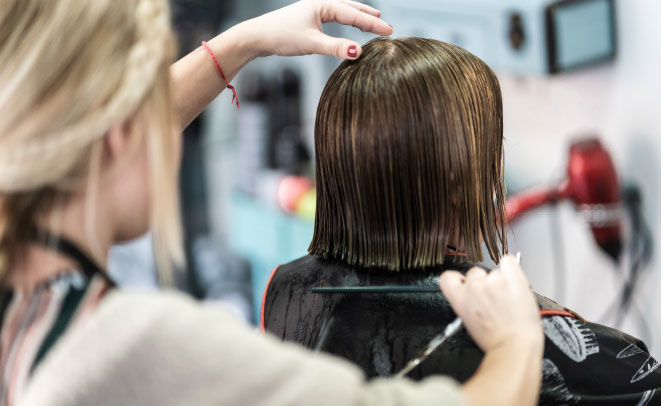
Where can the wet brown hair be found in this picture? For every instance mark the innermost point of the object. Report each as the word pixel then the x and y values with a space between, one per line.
pixel 409 157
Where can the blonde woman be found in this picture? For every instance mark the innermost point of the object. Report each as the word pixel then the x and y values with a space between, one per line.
pixel 90 115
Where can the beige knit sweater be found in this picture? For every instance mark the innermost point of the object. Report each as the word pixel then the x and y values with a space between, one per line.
pixel 165 349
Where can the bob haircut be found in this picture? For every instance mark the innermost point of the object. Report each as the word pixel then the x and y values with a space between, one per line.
pixel 409 157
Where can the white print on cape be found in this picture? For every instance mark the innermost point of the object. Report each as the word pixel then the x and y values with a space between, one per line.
pixel 648 367
pixel 630 351
pixel 647 396
pixel 571 336
pixel 554 388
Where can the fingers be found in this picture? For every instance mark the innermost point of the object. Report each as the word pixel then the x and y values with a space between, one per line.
pixel 362 7
pixel 508 263
pixel 452 286
pixel 509 267
pixel 476 273
pixel 338 47
pixel 341 12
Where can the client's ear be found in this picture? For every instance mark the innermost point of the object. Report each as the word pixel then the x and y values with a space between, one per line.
pixel 117 142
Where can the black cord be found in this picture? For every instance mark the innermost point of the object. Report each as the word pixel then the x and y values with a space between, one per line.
pixel 612 307
pixel 640 249
pixel 559 263
pixel 643 325
pixel 68 248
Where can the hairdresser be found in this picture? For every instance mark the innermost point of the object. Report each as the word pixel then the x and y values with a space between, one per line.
pixel 91 110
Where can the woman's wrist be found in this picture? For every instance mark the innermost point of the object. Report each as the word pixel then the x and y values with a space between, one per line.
pixel 251 39
pixel 529 339
pixel 509 373
pixel 196 78
pixel 235 47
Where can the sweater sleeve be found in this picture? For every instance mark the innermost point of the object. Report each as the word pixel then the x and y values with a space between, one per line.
pixel 166 349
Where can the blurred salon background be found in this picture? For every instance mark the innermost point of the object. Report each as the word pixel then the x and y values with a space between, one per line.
pixel 582 104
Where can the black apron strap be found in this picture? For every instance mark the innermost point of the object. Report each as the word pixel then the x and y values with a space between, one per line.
pixel 67 248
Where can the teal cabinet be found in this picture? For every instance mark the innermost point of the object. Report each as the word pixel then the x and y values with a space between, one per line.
pixel 267 237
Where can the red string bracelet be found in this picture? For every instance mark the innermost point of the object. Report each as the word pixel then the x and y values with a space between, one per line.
pixel 222 75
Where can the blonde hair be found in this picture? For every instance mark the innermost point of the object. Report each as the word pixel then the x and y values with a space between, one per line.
pixel 69 71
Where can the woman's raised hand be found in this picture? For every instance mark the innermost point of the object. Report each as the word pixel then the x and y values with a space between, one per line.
pixel 290 31
pixel 296 29
pixel 496 307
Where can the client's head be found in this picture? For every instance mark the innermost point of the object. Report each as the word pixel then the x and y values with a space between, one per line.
pixel 409 157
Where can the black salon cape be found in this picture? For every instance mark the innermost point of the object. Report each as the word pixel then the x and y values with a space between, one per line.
pixel 584 363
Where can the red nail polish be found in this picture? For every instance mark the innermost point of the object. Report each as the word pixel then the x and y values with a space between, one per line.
pixel 352 51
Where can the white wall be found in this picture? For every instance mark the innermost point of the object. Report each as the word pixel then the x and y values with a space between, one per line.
pixel 620 102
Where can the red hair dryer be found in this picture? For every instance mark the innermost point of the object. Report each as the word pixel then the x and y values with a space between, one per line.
pixel 592 185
